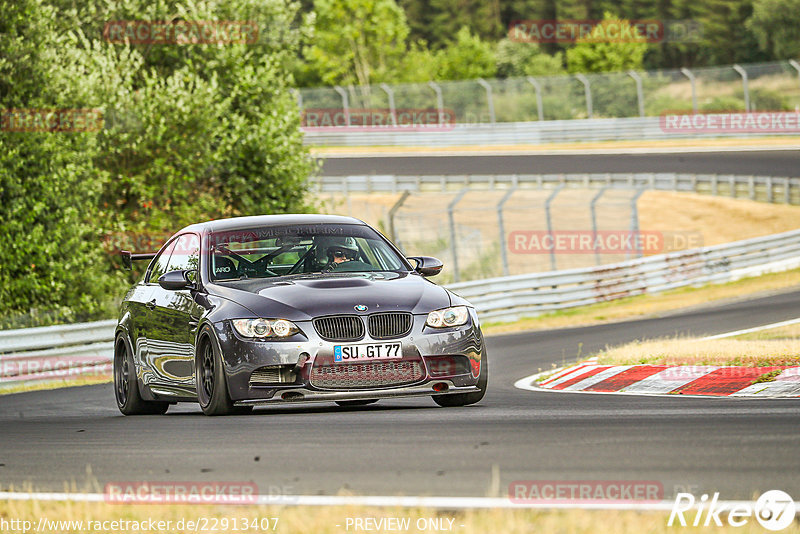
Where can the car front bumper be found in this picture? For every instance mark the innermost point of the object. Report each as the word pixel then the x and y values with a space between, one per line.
pixel 241 357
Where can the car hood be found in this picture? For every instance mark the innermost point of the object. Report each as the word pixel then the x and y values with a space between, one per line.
pixel 301 298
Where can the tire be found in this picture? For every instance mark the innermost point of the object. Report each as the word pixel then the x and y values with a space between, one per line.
pixel 360 402
pixel 126 385
pixel 212 387
pixel 463 399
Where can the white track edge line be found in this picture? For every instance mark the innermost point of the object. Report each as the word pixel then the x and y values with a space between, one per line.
pixel 389 501
pixel 754 329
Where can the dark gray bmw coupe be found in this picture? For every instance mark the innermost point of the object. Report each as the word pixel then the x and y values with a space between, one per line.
pixel 291 308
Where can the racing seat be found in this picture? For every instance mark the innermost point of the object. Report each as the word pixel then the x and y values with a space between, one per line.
pixel 223 267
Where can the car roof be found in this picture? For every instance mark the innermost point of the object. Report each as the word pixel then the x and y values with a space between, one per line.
pixel 237 223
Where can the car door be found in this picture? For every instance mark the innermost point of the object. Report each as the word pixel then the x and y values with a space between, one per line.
pixel 174 319
pixel 147 328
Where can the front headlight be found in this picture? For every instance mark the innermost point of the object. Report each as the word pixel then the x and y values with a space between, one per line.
pixel 455 316
pixel 265 328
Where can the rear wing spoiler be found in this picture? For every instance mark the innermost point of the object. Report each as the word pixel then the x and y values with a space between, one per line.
pixel 128 258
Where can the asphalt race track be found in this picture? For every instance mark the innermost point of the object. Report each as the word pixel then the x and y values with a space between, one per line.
pixel 759 162
pixel 739 447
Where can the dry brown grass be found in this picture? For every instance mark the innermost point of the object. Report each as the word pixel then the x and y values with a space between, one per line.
pixel 324 520
pixel 784 332
pixel 39 386
pixel 694 351
pixel 717 219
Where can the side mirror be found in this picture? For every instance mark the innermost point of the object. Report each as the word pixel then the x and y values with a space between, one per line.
pixel 175 280
pixel 427 266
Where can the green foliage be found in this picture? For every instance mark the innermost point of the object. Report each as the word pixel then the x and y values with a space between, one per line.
pixel 767 100
pixel 516 58
pixel 356 42
pixel 776 26
pixel 596 53
pixel 192 132
pixel 468 57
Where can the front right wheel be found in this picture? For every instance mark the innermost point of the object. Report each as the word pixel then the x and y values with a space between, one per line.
pixel 212 387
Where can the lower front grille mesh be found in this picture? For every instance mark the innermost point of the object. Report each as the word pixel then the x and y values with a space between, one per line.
pixel 365 375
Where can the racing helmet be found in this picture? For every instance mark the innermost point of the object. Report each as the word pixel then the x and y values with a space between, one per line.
pixel 339 246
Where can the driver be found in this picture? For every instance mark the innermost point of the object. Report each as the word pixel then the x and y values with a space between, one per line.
pixel 341 250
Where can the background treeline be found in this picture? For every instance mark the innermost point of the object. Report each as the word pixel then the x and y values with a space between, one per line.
pixel 360 41
pixel 191 133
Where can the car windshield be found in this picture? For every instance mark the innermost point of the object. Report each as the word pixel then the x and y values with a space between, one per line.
pixel 299 249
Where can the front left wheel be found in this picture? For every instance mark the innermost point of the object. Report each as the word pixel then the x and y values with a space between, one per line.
pixel 212 387
pixel 463 399
pixel 126 385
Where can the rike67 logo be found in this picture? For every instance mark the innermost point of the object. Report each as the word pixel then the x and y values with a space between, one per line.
pixel 774 510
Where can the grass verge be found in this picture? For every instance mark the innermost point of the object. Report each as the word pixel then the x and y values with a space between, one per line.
pixel 694 351
pixel 324 520
pixel 651 305
pixel 56 384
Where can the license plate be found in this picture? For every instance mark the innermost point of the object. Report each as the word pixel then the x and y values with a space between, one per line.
pixel 371 351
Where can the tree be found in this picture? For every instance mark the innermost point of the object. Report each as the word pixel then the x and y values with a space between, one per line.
pixel 526 59
pixel 466 58
pixel 191 133
pixel 356 42
pixel 776 26
pixel 601 51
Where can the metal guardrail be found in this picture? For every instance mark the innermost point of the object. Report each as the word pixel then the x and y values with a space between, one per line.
pixel 58 352
pixel 765 188
pixel 519 133
pixel 513 297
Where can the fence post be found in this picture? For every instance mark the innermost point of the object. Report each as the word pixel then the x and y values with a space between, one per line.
pixel 639 91
pixel 732 181
pixel 345 103
pixel 392 212
pixel 686 72
pixel 751 187
pixel 796 66
pixel 453 249
pixel 439 100
pixel 743 74
pixel 392 110
pixel 787 196
pixel 483 83
pixel 635 219
pixel 535 83
pixel 550 226
pixel 587 92
pixel 592 208
pixel 500 222
pixel 299 97
pixel 770 198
